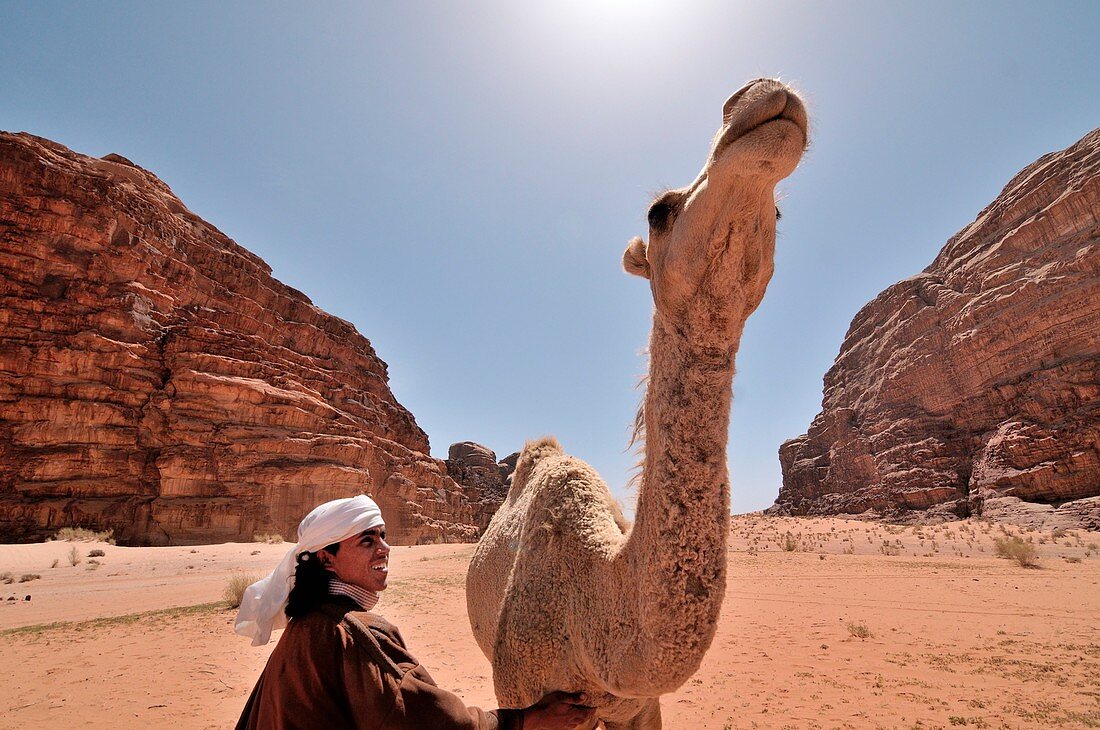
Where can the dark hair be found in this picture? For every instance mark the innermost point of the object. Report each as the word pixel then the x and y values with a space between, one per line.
pixel 310 583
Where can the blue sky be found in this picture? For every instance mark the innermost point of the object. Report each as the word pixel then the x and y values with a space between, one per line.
pixel 458 179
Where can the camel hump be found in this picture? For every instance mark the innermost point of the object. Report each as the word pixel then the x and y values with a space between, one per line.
pixel 543 445
pixel 533 452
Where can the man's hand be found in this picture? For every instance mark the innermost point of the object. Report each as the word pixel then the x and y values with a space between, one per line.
pixel 559 711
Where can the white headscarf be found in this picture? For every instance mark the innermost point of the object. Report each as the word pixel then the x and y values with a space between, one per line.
pixel 262 605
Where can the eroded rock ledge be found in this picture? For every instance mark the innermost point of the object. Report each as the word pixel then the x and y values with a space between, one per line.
pixel 156 380
pixel 973 388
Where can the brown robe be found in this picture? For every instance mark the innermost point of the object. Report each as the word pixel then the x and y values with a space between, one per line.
pixel 339 667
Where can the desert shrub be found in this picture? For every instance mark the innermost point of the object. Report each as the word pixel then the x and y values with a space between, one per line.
pixel 860 631
pixel 1014 548
pixel 97 553
pixel 74 556
pixel 271 539
pixel 234 589
pixel 7 578
pixel 1071 559
pixel 55 562
pixel 81 534
pixel 28 577
pixel 1058 532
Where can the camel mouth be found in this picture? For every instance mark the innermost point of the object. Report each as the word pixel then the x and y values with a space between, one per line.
pixel 779 118
pixel 763 105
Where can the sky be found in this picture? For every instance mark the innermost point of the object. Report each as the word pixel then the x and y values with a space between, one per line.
pixel 459 179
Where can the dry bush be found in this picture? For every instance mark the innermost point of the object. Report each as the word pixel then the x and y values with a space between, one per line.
pixel 887 549
pixel 28 577
pixel 1015 548
pixel 97 553
pixel 860 631
pixel 271 539
pixel 792 543
pixel 7 578
pixel 234 590
pixel 74 556
pixel 81 534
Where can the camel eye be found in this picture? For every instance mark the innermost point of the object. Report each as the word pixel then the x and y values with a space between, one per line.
pixel 664 209
pixel 659 214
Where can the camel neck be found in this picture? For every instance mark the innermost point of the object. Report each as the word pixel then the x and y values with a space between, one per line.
pixel 683 502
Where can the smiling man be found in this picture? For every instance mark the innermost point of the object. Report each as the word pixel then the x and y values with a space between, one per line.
pixel 339 666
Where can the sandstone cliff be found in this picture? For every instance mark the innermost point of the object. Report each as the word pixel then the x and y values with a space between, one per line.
pixel 974 386
pixel 156 380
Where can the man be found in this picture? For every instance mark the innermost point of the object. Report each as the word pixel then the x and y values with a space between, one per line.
pixel 339 666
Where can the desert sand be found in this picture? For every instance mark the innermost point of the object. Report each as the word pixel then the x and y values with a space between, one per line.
pixel 827 623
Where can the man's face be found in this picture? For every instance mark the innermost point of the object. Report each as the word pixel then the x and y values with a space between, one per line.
pixel 362 560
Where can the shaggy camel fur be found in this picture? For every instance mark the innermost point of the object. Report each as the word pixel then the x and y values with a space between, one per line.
pixel 562 593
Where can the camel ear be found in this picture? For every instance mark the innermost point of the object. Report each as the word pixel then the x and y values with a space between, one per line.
pixel 634 258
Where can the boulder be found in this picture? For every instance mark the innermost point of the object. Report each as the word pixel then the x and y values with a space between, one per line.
pixel 476 468
pixel 973 388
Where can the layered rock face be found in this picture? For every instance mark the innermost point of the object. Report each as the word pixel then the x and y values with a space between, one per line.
pixel 974 386
pixel 156 380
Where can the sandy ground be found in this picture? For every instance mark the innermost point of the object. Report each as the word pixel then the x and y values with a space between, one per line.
pixel 826 624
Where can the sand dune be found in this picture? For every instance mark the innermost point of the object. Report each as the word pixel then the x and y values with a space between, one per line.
pixel 826 624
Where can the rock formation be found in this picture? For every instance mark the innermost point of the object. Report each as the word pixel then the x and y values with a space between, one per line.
pixel 973 388
pixel 157 381
pixel 476 468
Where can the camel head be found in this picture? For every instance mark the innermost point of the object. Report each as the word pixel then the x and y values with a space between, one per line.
pixel 716 237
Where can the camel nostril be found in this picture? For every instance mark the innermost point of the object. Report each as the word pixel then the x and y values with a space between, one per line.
pixel 731 103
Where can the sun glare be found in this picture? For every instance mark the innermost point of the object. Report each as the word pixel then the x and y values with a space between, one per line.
pixel 615 15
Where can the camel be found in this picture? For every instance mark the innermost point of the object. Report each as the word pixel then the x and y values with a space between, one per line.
pixel 562 593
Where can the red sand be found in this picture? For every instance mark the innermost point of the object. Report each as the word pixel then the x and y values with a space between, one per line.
pixel 956 636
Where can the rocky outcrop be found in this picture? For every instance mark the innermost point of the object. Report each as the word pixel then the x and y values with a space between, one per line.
pixel 156 380
pixel 974 387
pixel 476 467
